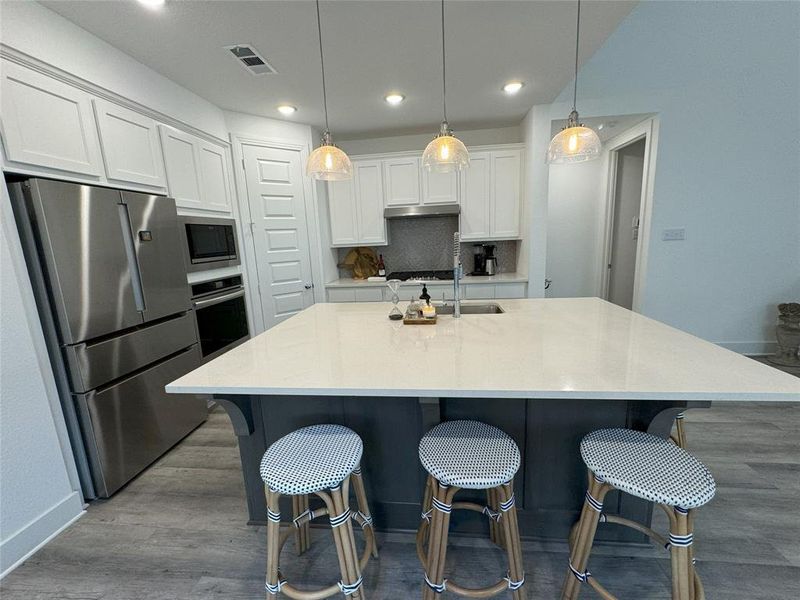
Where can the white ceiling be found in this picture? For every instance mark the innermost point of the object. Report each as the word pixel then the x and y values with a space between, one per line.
pixel 371 47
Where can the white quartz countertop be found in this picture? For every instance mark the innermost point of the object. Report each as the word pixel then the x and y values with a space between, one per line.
pixel 466 280
pixel 540 348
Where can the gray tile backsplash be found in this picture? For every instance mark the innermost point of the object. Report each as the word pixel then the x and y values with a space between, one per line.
pixel 427 243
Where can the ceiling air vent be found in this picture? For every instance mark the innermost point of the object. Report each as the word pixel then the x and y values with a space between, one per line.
pixel 250 59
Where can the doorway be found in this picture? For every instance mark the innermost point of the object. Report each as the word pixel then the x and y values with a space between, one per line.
pixel 630 171
pixel 625 220
pixel 276 209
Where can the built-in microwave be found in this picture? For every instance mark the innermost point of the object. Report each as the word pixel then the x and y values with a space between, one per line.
pixel 210 243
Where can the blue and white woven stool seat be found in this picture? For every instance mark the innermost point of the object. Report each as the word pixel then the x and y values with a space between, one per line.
pixel 648 467
pixel 469 454
pixel 311 459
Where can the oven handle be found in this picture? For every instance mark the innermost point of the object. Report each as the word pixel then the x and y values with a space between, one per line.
pixel 217 299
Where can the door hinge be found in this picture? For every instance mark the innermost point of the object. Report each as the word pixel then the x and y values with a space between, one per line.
pixel 243 165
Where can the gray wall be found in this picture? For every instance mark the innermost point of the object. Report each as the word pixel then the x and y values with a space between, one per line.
pixel 427 243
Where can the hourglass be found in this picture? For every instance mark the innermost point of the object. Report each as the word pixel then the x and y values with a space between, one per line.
pixel 394 286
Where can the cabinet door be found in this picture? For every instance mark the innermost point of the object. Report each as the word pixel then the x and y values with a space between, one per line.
pixel 342 211
pixel 475 197
pixel 402 181
pixel 479 291
pixel 439 188
pixel 369 202
pixel 216 191
pixel 129 141
pixel 181 162
pixel 506 192
pixel 47 123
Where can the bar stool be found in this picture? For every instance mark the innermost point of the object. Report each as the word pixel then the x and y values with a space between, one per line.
pixel 322 460
pixel 468 455
pixel 651 468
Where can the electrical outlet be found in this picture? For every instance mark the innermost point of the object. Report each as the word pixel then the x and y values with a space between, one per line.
pixel 673 235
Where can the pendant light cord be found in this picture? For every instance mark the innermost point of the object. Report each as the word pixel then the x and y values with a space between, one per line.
pixel 444 71
pixel 322 65
pixel 577 41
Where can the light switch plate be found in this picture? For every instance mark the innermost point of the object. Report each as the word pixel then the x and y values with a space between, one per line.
pixel 673 235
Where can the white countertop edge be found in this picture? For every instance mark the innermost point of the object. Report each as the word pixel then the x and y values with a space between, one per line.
pixel 466 280
pixel 491 394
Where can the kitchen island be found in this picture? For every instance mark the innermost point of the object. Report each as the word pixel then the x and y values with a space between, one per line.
pixel 546 371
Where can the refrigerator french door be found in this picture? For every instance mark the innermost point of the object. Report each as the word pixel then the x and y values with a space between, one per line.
pixel 111 288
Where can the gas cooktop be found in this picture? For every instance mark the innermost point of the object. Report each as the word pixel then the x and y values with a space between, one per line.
pixel 421 275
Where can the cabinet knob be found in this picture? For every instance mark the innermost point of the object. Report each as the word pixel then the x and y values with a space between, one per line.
pixel 308 286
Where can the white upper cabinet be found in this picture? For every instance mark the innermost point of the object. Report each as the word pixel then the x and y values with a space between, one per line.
pixel 475 192
pixel 369 201
pixel 214 175
pixel 182 165
pixel 491 195
pixel 197 171
pixel 402 181
pixel 506 194
pixel 47 123
pixel 342 211
pixel 356 207
pixel 129 141
pixel 439 188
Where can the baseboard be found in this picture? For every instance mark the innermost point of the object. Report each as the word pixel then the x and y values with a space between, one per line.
pixel 751 348
pixel 27 540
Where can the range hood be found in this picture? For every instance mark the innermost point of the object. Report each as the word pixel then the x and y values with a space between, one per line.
pixel 431 210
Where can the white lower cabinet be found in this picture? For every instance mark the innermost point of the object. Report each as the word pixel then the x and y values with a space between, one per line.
pixel 437 292
pixel 360 294
pixel 479 291
pixel 47 123
pixel 129 140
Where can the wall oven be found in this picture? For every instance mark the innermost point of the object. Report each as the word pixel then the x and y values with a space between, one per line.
pixel 220 310
pixel 210 243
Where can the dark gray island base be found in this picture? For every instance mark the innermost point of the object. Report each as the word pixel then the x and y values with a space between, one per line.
pixel 549 486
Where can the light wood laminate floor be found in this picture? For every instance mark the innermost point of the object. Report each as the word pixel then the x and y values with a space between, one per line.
pixel 178 531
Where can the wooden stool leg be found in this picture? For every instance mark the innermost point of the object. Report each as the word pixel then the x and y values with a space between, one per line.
pixel 273 542
pixel 680 430
pixel 361 498
pixel 302 534
pixel 681 538
pixel 495 529
pixel 510 527
pixel 587 527
pixel 342 527
pixel 441 501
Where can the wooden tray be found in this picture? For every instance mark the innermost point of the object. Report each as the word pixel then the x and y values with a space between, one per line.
pixel 420 321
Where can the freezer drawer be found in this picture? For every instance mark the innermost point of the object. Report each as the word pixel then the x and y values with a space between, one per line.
pixel 94 364
pixel 135 421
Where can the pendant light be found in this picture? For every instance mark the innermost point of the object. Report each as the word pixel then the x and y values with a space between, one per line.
pixel 327 162
pixel 575 143
pixel 446 152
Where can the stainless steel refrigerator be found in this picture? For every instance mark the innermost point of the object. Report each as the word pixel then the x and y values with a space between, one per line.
pixel 110 283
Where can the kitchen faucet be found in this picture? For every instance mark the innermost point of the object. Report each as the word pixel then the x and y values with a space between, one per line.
pixel 458 270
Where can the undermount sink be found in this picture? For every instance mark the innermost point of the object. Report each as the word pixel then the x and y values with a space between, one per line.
pixel 471 309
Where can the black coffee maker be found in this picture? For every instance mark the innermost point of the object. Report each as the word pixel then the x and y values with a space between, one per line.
pixel 485 260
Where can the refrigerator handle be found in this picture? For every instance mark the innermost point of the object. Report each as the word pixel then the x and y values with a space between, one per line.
pixel 130 251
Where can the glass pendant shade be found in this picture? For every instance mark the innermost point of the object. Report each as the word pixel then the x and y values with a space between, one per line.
pixel 573 144
pixel 445 153
pixel 328 162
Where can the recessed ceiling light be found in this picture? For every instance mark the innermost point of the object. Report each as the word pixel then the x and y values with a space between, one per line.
pixel 512 87
pixel 394 99
pixel 287 109
pixel 152 4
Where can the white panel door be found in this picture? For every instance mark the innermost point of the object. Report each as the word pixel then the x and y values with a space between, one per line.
pixel 129 141
pixel 402 181
pixel 342 211
pixel 439 188
pixel 182 165
pixel 274 178
pixel 369 202
pixel 214 173
pixel 47 123
pixel 475 197
pixel 506 194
